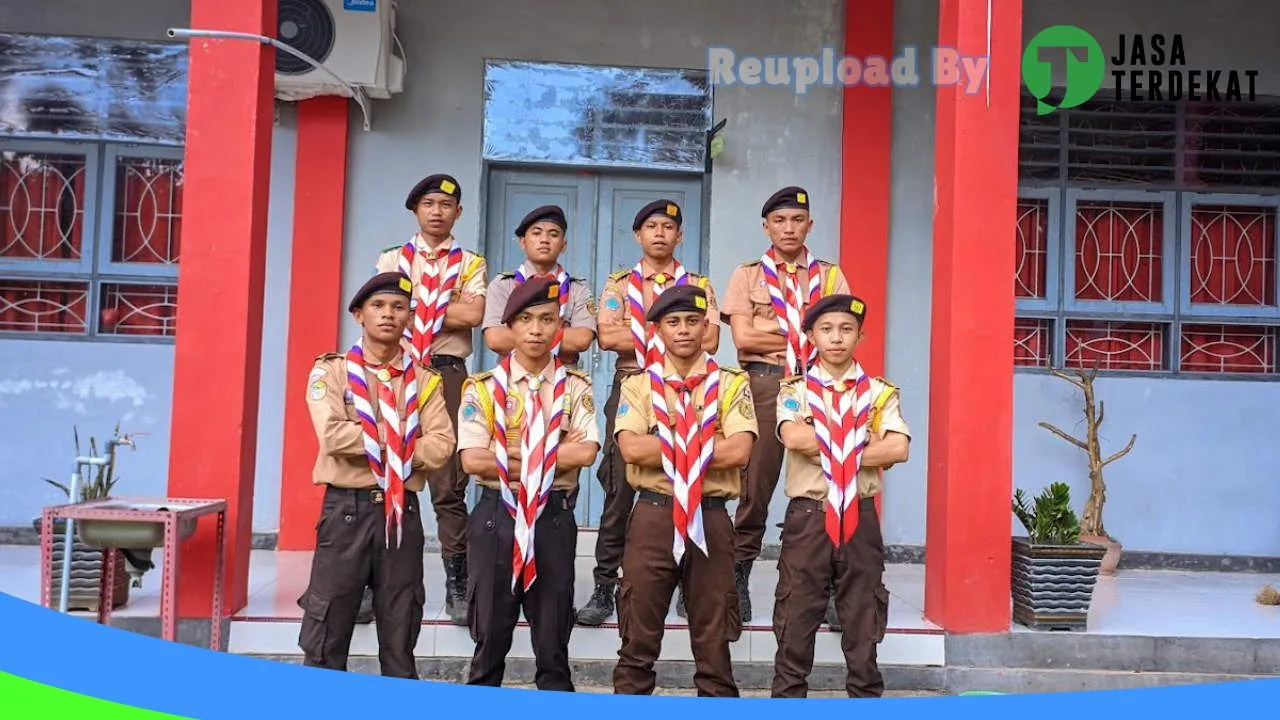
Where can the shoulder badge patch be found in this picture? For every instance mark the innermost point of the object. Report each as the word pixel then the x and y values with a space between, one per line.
pixel 588 405
pixel 612 302
pixel 791 403
pixel 318 389
pixel 623 408
pixel 470 410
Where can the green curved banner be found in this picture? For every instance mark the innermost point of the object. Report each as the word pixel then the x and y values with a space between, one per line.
pixel 21 699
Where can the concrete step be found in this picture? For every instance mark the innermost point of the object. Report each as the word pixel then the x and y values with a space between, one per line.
pixel 675 677
pixel 279 637
pixel 1224 656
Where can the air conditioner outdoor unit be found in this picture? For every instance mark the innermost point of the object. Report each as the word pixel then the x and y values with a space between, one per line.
pixel 353 39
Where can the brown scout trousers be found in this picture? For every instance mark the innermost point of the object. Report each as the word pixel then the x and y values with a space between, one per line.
pixel 762 469
pixel 807 564
pixel 448 484
pixel 351 553
pixel 649 577
pixel 493 609
pixel 619 496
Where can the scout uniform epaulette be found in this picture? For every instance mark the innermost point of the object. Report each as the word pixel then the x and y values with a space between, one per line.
pixel 580 373
pixel 620 274
pixel 753 263
pixel 737 378
pixel 324 357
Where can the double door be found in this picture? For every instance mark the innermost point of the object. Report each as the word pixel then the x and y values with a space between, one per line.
pixel 599 208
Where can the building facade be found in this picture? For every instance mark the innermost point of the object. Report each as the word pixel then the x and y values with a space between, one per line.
pixel 1141 239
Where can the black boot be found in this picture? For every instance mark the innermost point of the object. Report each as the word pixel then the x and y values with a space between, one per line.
pixel 742 573
pixel 599 608
pixel 455 599
pixel 680 608
pixel 364 615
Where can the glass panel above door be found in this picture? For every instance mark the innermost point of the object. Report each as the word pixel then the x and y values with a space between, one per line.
pixel 596 116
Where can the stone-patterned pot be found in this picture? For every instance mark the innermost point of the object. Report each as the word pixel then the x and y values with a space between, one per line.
pixel 1053 584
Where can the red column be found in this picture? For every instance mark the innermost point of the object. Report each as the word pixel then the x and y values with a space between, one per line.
pixel 866 139
pixel 315 287
pixel 971 361
pixel 219 326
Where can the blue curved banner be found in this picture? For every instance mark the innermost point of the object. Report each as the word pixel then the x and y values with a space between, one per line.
pixel 43 652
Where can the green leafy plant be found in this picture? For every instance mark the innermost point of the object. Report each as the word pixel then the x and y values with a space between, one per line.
pixel 100 479
pixel 1049 519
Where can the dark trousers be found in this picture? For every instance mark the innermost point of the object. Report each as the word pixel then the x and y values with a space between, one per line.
pixel 649 577
pixel 493 609
pixel 448 484
pixel 807 564
pixel 619 496
pixel 762 469
pixel 350 554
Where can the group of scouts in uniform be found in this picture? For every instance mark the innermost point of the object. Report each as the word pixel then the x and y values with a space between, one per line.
pixel 397 414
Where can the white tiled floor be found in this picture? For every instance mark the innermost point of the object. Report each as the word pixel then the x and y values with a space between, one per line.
pixel 1150 603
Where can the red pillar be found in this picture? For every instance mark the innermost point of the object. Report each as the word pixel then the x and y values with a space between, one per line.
pixel 219 339
pixel 971 361
pixel 315 286
pixel 866 140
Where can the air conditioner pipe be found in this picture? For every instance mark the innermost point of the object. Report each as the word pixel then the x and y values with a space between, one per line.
pixel 356 92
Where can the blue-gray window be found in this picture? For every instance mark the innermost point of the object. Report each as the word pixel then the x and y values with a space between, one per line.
pixel 1147 236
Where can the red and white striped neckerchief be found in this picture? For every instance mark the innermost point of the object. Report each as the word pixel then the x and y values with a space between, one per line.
pixel 539 444
pixel 648 346
pixel 395 420
pixel 688 440
pixel 789 304
pixel 561 276
pixel 431 292
pixel 841 412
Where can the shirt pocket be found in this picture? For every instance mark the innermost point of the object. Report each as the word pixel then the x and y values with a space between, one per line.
pixel 761 302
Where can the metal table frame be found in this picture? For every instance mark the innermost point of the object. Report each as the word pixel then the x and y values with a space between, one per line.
pixel 107 509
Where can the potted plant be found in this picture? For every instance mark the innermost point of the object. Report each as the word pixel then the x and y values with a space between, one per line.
pixel 1092 528
pixel 1054 571
pixel 87 561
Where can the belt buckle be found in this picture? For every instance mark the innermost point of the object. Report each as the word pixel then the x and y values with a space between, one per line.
pixel 376 496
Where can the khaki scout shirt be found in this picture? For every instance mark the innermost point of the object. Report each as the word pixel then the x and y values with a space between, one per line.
pixel 475 415
pixel 736 415
pixel 748 296
pixel 582 307
pixel 615 309
pixel 341 461
pixel 804 473
pixel 471 285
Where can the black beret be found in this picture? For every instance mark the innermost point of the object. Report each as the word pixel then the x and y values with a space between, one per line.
pixel 438 183
pixel 530 293
pixel 834 303
pixel 546 212
pixel 665 208
pixel 787 198
pixel 393 282
pixel 681 298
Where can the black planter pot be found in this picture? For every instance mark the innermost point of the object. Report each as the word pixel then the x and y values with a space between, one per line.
pixel 1053 584
pixel 86 572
